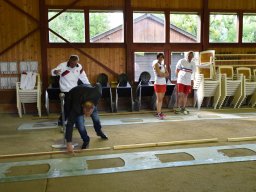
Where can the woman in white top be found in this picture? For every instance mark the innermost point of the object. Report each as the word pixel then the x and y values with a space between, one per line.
pixel 160 82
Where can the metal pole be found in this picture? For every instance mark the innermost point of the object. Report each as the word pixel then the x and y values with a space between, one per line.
pixel 62 102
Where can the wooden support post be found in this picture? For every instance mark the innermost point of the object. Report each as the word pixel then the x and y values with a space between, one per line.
pixel 128 34
pixel 204 25
pixel 43 43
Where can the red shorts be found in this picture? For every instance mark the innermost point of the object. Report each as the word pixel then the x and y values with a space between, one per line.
pixel 160 88
pixel 186 89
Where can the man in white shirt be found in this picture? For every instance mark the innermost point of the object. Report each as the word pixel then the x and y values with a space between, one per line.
pixel 185 70
pixel 70 73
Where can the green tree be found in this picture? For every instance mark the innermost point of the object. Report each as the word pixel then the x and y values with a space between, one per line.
pixel 99 23
pixel 70 25
pixel 186 22
pixel 249 25
pixel 223 28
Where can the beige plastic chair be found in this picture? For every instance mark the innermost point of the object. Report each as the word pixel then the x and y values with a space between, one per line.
pixel 206 84
pixel 207 88
pixel 246 71
pixel 206 64
pixel 29 96
pixel 228 70
pixel 230 87
pixel 254 75
pixel 249 86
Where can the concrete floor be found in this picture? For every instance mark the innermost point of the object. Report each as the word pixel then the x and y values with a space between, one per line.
pixel 219 177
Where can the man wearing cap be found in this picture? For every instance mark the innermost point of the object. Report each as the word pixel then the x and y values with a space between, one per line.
pixel 81 101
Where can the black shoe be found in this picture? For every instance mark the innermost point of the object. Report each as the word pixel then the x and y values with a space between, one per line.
pixel 102 135
pixel 85 145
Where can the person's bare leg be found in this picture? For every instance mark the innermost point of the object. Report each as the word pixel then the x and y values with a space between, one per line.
pixel 185 98
pixel 159 102
pixel 180 100
pixel 162 100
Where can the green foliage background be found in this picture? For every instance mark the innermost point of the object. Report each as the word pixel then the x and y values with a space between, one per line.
pixel 223 28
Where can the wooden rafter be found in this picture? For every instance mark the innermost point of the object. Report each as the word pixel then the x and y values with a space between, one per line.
pixel 74 46
pixel 84 53
pixel 63 10
pixel 25 36
pixel 43 27
pixel 18 41
pixel 22 11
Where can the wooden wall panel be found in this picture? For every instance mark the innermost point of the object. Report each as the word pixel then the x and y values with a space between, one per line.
pixel 29 49
pixel 234 50
pixel 113 58
pixel 29 6
pixel 14 25
pixel 90 3
pixel 167 4
pixel 249 5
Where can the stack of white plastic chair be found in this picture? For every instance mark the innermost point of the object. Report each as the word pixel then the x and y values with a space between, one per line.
pixel 206 84
pixel 229 86
pixel 254 75
pixel 249 86
pixel 28 90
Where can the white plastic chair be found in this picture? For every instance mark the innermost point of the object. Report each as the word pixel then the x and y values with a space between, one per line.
pixel 229 86
pixel 249 86
pixel 246 71
pixel 206 64
pixel 206 84
pixel 207 88
pixel 32 95
pixel 254 75
pixel 228 70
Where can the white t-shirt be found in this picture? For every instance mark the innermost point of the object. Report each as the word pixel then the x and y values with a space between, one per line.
pixel 70 76
pixel 187 71
pixel 159 80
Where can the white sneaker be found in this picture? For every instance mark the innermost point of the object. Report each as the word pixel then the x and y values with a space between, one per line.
pixel 177 110
pixel 185 111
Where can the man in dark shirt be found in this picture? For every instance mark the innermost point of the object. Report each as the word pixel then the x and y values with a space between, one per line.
pixel 82 101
